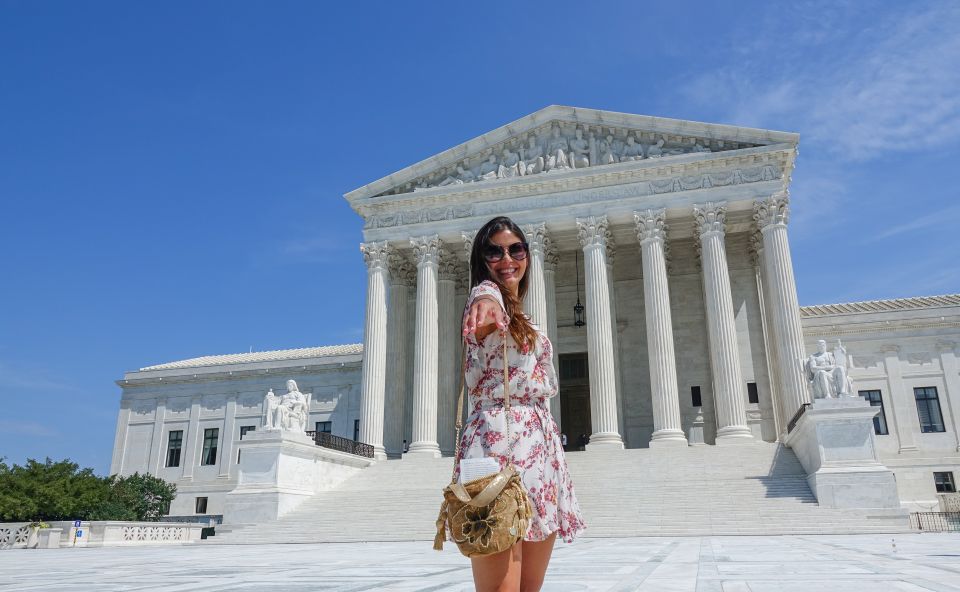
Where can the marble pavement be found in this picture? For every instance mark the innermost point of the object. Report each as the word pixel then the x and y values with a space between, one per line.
pixel 915 563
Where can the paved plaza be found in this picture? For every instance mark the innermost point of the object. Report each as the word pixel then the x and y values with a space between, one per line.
pixel 855 563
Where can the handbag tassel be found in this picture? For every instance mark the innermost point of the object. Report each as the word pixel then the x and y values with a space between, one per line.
pixel 441 528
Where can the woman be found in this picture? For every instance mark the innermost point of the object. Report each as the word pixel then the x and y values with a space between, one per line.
pixel 494 311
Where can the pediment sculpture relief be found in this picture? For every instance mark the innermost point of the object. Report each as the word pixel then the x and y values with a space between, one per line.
pixel 560 147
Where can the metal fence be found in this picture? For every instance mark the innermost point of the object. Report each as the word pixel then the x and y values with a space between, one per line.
pixel 935 521
pixel 347 445
pixel 797 416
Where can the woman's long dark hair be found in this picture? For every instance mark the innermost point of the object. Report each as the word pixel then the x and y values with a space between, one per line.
pixel 520 328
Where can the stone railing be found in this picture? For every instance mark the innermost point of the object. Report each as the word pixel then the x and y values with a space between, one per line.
pixel 15 535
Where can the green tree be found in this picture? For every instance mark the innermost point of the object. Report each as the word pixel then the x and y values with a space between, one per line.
pixel 146 496
pixel 61 490
pixel 49 491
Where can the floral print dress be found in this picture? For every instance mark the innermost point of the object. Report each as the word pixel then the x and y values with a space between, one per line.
pixel 534 447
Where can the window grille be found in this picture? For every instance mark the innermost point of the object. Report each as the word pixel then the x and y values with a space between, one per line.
pixel 174 445
pixel 880 420
pixel 210 437
pixel 928 408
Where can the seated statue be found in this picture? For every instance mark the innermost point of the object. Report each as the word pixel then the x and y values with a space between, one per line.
pixel 557 149
pixel 827 372
pixel 616 146
pixel 607 155
pixel 488 170
pixel 579 155
pixel 698 147
pixel 460 177
pixel 631 150
pixel 655 150
pixel 447 178
pixel 531 158
pixel 287 413
pixel 509 164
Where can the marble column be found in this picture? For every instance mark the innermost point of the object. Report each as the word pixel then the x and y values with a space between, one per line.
pixel 230 438
pixel 535 304
pixel 951 382
pixel 402 276
pixel 652 234
pixel 426 250
pixel 550 261
pixel 615 337
pixel 448 339
pixel 902 401
pixel 193 441
pixel 373 380
pixel 771 217
pixel 120 438
pixel 728 385
pixel 157 445
pixel 594 234
pixel 766 324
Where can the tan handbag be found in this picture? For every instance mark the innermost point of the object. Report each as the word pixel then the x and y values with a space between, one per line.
pixel 490 514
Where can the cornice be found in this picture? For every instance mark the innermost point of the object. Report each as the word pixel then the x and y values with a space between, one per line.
pixel 679 171
pixel 876 328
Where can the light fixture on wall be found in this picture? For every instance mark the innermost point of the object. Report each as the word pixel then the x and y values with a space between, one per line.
pixel 578 308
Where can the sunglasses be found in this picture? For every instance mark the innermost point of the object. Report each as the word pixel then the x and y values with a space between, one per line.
pixel 494 253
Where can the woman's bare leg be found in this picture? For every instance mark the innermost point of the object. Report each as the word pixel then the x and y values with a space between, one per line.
pixel 499 572
pixel 536 556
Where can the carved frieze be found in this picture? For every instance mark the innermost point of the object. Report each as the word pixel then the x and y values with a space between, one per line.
pixel 559 146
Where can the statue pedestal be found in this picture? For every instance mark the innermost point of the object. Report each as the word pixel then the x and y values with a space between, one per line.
pixel 835 443
pixel 280 470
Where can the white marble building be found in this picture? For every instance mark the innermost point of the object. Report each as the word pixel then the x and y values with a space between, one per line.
pixel 674 234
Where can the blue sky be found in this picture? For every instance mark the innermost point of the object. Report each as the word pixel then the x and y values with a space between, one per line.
pixel 171 173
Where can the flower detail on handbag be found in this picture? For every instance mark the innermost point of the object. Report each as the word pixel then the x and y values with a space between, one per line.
pixel 478 526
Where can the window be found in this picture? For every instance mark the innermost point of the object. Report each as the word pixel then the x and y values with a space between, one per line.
pixel 210 437
pixel 243 432
pixel 880 421
pixel 928 408
pixel 752 396
pixel 201 505
pixel 356 430
pixel 174 444
pixel 695 399
pixel 944 482
pixel 324 427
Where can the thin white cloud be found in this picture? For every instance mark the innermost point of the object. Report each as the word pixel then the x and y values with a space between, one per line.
pixel 943 217
pixel 860 86
pixel 19 378
pixel 26 428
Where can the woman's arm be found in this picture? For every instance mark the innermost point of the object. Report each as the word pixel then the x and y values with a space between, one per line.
pixel 485 313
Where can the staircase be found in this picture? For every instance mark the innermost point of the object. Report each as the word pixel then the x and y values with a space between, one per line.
pixel 749 489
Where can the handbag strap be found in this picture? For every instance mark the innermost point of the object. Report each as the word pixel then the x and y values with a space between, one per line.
pixel 458 424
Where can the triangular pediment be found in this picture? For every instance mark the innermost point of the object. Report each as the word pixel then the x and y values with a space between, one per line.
pixel 559 139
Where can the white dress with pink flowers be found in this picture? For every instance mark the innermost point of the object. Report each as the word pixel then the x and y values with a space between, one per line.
pixel 535 448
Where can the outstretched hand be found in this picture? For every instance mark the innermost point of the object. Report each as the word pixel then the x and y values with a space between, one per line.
pixel 485 316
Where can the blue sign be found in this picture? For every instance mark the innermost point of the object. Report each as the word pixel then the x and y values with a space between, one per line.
pixel 79 533
pixel 76 523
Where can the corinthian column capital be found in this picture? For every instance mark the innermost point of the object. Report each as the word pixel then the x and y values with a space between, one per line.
pixel 426 249
pixel 536 235
pixel 710 217
pixel 376 254
pixel 450 266
pixel 651 225
pixel 468 238
pixel 401 270
pixel 593 231
pixel 772 210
